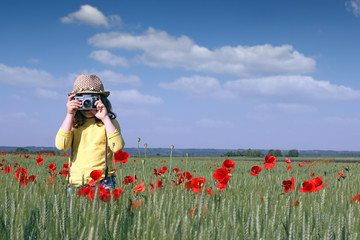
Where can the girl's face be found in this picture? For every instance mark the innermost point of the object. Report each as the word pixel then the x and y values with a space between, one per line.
pixel 87 114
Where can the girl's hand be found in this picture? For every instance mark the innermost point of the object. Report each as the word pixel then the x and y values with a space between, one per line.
pixel 101 112
pixel 72 105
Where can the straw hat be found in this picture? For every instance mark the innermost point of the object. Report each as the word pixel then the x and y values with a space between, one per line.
pixel 89 84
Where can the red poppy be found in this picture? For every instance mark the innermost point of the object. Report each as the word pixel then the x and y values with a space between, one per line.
pixel 7 169
pixel 296 203
pixel 255 170
pixel 176 170
pixel 160 171
pixel 197 184
pixel 269 162
pixel 139 188
pixel 96 176
pixel 26 156
pixel 157 184
pixel 221 186
pixel 341 174
pixel 52 167
pixel 228 164
pixel 128 179
pixel 20 173
pixel 287 160
pixel 32 178
pixel 64 173
pixel 356 198
pixel 39 161
pixel 222 175
pixel 117 193
pixel 104 194
pixel 84 191
pixel 289 184
pixel 312 185
pixel 312 174
pixel 66 166
pixel 24 182
pixel 288 167
pixel 209 191
pixel 136 204
pixel 121 156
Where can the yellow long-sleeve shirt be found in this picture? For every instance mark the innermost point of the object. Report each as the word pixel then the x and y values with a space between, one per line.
pixel 88 151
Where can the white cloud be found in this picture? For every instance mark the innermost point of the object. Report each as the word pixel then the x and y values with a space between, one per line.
pixel 108 76
pixel 134 97
pixel 289 89
pixel 211 123
pixel 353 6
pixel 107 57
pixel 21 76
pixel 195 84
pixel 286 108
pixel 292 88
pixel 49 94
pixel 162 50
pixel 90 15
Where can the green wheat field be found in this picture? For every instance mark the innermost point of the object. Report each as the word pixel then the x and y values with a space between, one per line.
pixel 250 207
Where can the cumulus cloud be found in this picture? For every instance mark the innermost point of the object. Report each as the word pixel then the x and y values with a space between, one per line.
pixel 48 94
pixel 90 15
pixel 22 76
pixel 353 6
pixel 111 77
pixel 134 97
pixel 275 88
pixel 107 57
pixel 163 50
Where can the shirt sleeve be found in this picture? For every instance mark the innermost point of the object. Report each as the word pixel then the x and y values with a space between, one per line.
pixel 116 141
pixel 63 140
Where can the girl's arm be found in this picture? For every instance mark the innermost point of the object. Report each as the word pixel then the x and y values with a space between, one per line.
pixel 71 106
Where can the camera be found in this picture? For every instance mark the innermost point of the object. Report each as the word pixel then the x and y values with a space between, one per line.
pixel 87 101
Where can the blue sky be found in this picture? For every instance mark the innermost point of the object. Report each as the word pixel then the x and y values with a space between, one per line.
pixel 193 74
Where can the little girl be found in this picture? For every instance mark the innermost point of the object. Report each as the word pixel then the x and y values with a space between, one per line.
pixel 86 132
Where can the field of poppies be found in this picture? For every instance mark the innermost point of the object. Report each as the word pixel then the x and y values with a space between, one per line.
pixel 181 198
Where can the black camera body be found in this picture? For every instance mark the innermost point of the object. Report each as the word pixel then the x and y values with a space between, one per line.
pixel 87 101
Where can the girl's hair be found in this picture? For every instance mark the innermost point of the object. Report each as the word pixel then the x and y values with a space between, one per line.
pixel 79 119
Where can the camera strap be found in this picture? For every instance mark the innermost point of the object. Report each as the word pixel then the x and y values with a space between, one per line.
pixel 106 159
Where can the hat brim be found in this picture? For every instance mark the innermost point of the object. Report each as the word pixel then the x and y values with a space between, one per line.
pixel 105 93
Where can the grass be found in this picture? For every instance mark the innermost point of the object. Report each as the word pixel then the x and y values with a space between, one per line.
pixel 251 207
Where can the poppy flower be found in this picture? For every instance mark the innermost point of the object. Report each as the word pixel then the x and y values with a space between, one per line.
pixel 160 171
pixel 221 186
pixel 52 167
pixel 96 176
pixel 139 188
pixel 341 175
pixel 84 191
pixel 312 185
pixel 104 194
pixel 356 198
pixel 66 166
pixel 176 170
pixel 255 170
pixel 312 174
pixel 120 156
pixel 7 169
pixel 289 184
pixel 288 167
pixel 209 191
pixel 296 203
pixel 39 161
pixel 64 173
pixel 269 162
pixel 24 182
pixel 157 184
pixel 117 193
pixel 32 178
pixel 128 179
pixel 20 173
pixel 287 160
pixel 222 175
pixel 136 204
pixel 228 164
pixel 197 184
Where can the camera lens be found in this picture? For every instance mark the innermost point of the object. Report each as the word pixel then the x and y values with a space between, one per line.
pixel 87 104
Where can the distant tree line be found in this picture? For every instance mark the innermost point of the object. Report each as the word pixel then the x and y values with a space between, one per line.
pixel 27 151
pixel 256 153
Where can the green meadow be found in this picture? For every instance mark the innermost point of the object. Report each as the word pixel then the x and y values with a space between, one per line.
pixel 251 207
